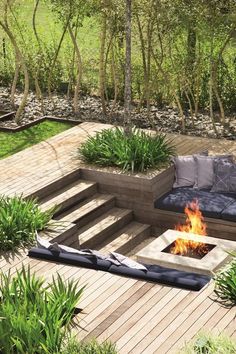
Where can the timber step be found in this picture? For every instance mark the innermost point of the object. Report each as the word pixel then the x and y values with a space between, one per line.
pixel 126 239
pixel 86 211
pixel 68 196
pixel 95 232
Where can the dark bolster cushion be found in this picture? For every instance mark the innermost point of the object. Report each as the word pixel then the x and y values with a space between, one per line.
pixel 165 276
pixel 229 213
pixel 157 274
pixel 211 204
pixel 90 262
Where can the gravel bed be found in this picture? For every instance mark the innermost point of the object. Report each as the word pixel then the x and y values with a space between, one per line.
pixel 164 120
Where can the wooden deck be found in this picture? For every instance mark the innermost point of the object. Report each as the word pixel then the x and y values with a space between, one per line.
pixel 139 317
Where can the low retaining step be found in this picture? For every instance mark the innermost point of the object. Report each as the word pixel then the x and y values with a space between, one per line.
pixel 70 195
pixel 126 239
pixel 104 226
pixel 88 210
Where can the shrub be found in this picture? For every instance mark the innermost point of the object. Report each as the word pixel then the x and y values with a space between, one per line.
pixel 137 151
pixel 225 283
pixel 93 347
pixel 35 318
pixel 210 344
pixel 19 219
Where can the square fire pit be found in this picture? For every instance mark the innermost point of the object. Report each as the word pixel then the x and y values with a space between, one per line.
pixel 158 252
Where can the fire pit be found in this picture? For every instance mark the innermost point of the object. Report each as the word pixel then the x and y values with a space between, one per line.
pixel 188 248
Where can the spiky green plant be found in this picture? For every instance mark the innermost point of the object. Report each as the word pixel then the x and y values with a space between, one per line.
pixel 207 343
pixel 137 151
pixel 19 218
pixel 225 283
pixel 35 318
pixel 92 347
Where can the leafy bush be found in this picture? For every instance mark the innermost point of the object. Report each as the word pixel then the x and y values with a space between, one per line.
pixel 92 347
pixel 137 151
pixel 225 283
pixel 209 344
pixel 35 318
pixel 19 219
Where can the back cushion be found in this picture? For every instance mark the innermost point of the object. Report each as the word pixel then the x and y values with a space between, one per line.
pixel 205 174
pixel 225 177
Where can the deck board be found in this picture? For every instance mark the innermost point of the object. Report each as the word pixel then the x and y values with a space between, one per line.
pixel 139 317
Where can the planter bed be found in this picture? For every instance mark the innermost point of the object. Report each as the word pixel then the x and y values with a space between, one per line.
pixel 33 123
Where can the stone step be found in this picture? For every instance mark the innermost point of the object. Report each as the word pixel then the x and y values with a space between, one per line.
pixel 85 212
pixel 95 232
pixel 126 239
pixel 68 196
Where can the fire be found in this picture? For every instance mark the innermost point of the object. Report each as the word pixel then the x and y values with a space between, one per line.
pixel 195 225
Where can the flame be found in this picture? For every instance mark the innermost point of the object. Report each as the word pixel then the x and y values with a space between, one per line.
pixel 194 224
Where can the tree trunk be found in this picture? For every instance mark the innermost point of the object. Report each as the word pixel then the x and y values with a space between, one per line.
pixel 127 92
pixel 79 76
pixel 14 83
pixel 102 75
pixel 19 56
pixel 55 58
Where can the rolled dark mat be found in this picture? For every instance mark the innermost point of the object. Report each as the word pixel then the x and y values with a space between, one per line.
pixel 165 276
pixel 86 261
pixel 154 273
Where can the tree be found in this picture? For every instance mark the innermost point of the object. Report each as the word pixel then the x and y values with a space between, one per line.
pixel 127 93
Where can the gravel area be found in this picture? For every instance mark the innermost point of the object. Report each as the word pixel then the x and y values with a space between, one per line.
pixel 164 120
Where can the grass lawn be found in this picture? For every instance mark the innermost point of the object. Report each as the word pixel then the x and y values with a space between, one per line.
pixel 10 143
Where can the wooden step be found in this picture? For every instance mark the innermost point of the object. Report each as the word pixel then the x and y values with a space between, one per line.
pixel 82 213
pixel 64 233
pixel 69 195
pixel 127 238
pixel 132 253
pixel 101 228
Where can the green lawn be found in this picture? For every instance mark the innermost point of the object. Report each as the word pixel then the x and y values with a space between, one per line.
pixel 10 143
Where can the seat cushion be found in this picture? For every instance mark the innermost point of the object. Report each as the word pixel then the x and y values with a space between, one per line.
pixel 211 204
pixel 229 213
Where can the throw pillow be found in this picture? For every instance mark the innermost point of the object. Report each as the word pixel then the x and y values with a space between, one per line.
pixel 225 177
pixel 205 169
pixel 185 170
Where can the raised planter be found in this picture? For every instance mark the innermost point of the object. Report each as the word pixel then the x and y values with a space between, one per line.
pixel 138 193
pixel 4 116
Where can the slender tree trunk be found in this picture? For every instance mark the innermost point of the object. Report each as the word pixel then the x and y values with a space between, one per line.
pixel 172 90
pixel 55 57
pixel 211 101
pixel 127 92
pixel 142 42
pixel 79 76
pixel 114 78
pixel 21 59
pixel 15 79
pixel 102 75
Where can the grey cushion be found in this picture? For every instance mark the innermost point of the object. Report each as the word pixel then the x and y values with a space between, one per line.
pixel 205 175
pixel 185 170
pixel 225 177
pixel 211 204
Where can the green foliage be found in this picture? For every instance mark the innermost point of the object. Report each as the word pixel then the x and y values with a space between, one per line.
pixel 134 151
pixel 225 283
pixel 210 344
pixel 35 318
pixel 92 347
pixel 19 219
pixel 14 142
